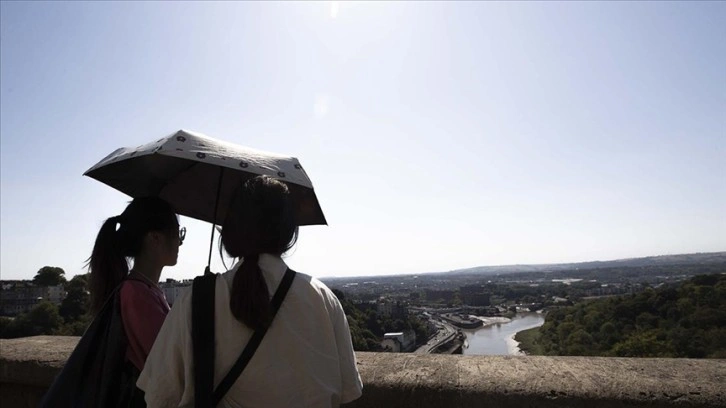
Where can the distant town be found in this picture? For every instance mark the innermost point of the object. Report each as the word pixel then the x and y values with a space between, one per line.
pixel 464 299
pixel 423 313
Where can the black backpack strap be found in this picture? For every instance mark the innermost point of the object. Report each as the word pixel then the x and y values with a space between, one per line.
pixel 203 290
pixel 255 341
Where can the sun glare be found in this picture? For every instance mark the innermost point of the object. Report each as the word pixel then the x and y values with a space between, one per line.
pixel 320 106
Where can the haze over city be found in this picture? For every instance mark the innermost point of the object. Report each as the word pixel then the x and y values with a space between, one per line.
pixel 438 136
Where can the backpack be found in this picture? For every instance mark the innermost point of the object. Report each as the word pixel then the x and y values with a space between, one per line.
pixel 97 373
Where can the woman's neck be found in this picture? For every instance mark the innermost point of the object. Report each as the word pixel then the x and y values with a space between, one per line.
pixel 149 270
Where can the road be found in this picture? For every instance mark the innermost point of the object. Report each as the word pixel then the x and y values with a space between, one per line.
pixel 445 333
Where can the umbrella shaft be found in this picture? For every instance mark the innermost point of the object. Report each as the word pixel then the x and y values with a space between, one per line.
pixel 216 207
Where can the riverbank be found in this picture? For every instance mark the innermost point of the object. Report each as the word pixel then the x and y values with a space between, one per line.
pixel 527 342
pixel 513 346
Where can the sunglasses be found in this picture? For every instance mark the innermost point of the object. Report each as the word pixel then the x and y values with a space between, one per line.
pixel 182 233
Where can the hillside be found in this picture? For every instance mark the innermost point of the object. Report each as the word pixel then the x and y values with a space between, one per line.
pixel 662 260
pixel 679 320
pixel 709 258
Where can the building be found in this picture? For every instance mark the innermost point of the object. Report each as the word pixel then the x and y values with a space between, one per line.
pixel 463 321
pixel 399 342
pixel 365 306
pixel 55 294
pixel 397 309
pixel 173 289
pixel 22 296
pixel 384 308
pixel 434 295
pixel 474 295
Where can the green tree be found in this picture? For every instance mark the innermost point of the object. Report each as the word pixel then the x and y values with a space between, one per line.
pixel 564 330
pixel 646 321
pixel 8 328
pixel 421 329
pixel 579 343
pixel 49 276
pixel 75 304
pixel 74 328
pixel 42 319
pixel 608 335
pixel 684 320
pixel 339 294
pixel 644 344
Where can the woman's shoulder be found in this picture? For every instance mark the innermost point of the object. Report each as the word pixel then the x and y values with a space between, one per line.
pixel 131 287
pixel 315 286
pixel 305 281
pixel 136 290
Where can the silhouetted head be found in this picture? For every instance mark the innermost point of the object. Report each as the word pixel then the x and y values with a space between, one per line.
pixel 147 227
pixel 260 219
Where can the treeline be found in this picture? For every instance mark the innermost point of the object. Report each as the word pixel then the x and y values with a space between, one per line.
pixel 70 319
pixel 683 320
pixel 367 326
pixel 620 280
pixel 630 274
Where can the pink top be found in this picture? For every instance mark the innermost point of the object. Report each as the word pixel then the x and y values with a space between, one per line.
pixel 143 310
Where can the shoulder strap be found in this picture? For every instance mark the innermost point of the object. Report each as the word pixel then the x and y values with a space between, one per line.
pixel 254 342
pixel 203 290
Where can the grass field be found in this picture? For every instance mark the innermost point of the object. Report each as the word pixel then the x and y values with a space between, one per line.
pixel 528 341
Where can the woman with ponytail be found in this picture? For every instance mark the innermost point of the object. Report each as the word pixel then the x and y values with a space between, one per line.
pixel 306 356
pixel 127 305
pixel 148 233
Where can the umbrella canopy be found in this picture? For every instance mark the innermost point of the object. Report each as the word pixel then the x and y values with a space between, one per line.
pixel 195 172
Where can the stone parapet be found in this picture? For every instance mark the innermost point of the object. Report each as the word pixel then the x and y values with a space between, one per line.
pixel 28 366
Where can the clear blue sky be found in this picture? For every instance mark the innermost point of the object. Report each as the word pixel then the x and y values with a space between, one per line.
pixel 437 135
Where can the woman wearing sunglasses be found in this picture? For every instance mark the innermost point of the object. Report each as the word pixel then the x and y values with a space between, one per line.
pixel 127 305
pixel 147 232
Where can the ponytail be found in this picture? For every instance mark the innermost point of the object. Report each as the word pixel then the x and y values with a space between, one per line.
pixel 260 219
pixel 107 265
pixel 250 301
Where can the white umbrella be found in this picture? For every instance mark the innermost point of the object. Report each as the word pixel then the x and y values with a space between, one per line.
pixel 185 169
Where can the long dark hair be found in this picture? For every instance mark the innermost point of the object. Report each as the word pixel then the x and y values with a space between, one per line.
pixel 260 219
pixel 108 262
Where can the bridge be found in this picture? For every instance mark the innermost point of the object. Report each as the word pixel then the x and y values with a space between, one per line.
pixel 28 366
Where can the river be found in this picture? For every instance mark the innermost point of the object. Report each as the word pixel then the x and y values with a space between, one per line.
pixel 497 339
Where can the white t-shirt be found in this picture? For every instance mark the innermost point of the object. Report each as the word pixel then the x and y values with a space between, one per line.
pixel 306 359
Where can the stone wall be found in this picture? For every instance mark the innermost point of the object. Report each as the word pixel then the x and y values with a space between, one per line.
pixel 28 366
